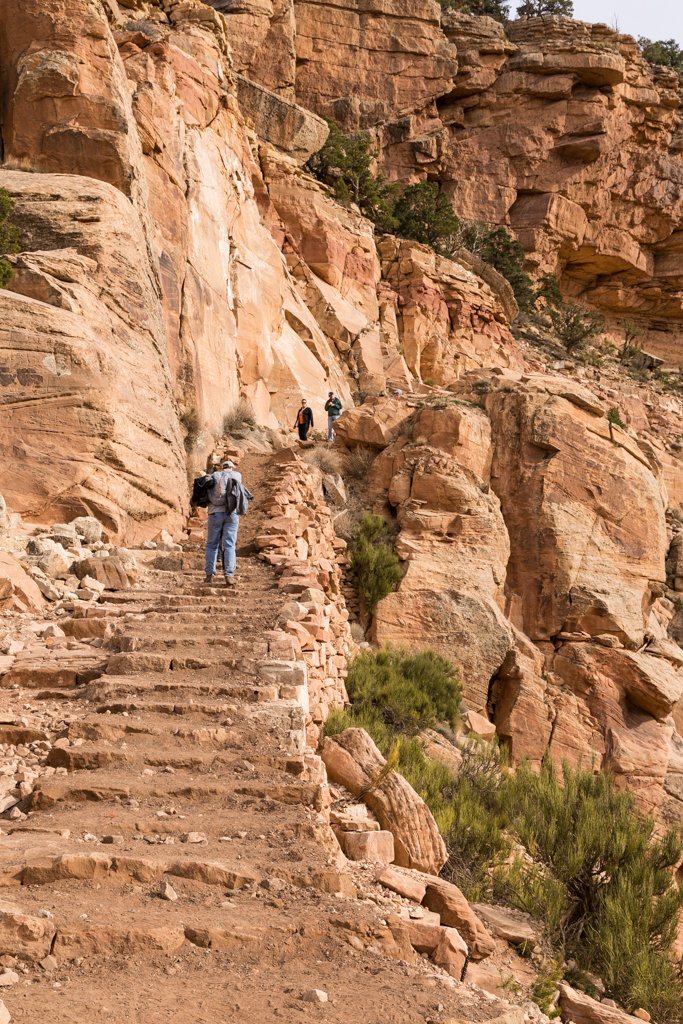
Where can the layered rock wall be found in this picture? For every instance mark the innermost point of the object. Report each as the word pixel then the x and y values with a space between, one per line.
pixel 558 129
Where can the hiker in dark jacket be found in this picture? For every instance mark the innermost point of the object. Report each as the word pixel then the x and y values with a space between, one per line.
pixel 333 409
pixel 304 420
pixel 222 526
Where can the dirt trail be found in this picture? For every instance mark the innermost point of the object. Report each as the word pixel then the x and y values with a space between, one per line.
pixel 185 768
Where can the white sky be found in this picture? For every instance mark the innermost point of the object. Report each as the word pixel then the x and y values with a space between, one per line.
pixel 656 19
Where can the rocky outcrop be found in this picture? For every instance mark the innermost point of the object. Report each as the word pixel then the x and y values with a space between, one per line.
pixel 555 128
pixel 352 759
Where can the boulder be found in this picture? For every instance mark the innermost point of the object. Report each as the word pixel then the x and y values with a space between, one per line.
pixel 374 846
pixel 352 760
pixel 446 900
pixel 18 592
pixel 511 926
pixel 451 952
pixel 89 528
pixel 110 572
pixel 23 934
pixel 581 1009
pixel 409 884
pixel 374 424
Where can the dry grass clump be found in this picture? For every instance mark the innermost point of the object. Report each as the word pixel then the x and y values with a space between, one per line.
pixel 327 461
pixel 239 415
pixel 359 460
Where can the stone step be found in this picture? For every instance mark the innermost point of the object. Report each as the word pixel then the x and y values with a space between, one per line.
pixel 118 787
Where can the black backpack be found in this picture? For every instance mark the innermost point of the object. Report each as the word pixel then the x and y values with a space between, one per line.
pixel 200 491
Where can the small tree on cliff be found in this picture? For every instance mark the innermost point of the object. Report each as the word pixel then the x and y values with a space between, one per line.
pixel 425 213
pixel 536 8
pixel 9 237
pixel 575 324
pixel 662 51
pixel 497 247
pixel 345 165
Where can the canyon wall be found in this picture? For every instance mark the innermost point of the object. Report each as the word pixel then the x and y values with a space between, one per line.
pixel 557 129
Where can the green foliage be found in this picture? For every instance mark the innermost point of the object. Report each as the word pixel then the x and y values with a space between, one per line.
pixel 425 213
pixel 345 164
pixel 574 324
pixel 620 908
pixel 662 51
pixel 374 562
pixel 497 247
pixel 409 692
pixel 630 350
pixel 548 289
pixel 9 237
pixel 614 417
pixel 544 989
pixel 492 8
pixel 535 8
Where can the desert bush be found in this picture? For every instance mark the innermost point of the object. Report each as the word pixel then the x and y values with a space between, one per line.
pixel 544 989
pixel 614 417
pixel 505 254
pixel 491 8
pixel 409 692
pixel 548 289
pixel 241 414
pixel 326 461
pixel 574 325
pixel 425 214
pixel 345 164
pixel 620 905
pixel 662 51
pixel 9 237
pixel 192 427
pixel 374 562
pixel 536 8
pixel 359 460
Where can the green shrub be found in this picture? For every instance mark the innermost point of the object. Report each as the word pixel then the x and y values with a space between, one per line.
pixel 9 237
pixel 374 562
pixel 536 8
pixel 621 909
pixel 425 213
pixel 662 51
pixel 409 692
pixel 345 164
pixel 492 8
pixel 548 289
pixel 614 417
pixel 575 325
pixel 497 247
pixel 544 989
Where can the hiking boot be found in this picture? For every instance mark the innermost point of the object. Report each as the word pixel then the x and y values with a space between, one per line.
pixel 230 582
pixel 209 579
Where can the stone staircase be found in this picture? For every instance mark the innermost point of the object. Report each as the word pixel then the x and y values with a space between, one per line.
pixel 179 865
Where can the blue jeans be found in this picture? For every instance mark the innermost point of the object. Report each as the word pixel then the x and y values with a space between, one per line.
pixel 222 526
pixel 330 427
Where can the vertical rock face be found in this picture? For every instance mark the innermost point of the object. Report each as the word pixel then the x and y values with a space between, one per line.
pixel 599 541
pixel 557 129
pixel 382 58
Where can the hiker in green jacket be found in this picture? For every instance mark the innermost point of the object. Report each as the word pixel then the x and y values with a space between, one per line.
pixel 333 408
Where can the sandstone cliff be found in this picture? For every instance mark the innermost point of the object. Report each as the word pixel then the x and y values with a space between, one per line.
pixel 557 129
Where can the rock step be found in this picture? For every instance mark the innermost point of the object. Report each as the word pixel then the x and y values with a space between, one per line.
pixel 86 786
pixel 91 758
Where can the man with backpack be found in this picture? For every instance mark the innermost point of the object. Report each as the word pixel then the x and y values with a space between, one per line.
pixel 226 500
pixel 333 408
pixel 304 420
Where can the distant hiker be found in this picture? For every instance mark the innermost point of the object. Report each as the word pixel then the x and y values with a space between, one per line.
pixel 227 500
pixel 304 420
pixel 333 408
